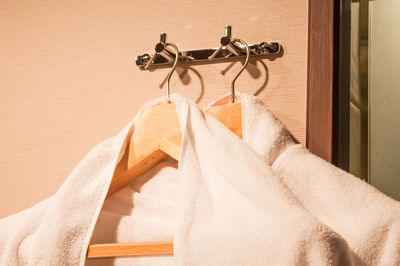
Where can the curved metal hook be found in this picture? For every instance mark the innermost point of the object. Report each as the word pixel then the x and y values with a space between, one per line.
pixel 172 70
pixel 243 68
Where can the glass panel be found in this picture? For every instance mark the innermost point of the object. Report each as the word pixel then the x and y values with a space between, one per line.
pixel 358 150
pixel 384 96
pixel 355 92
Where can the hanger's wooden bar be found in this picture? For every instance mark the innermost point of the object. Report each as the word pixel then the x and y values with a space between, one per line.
pixel 130 249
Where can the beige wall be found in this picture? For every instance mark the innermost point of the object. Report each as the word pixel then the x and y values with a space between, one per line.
pixel 68 78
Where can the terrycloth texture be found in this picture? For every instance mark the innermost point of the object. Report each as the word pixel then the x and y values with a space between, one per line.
pixel 231 209
pixel 365 217
pixel 143 211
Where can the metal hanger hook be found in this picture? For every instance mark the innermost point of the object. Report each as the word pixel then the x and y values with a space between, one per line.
pixel 243 68
pixel 172 70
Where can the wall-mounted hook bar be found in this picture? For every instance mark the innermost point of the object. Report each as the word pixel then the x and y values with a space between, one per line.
pixel 227 51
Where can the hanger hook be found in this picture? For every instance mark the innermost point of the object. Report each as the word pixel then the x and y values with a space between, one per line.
pixel 172 70
pixel 243 68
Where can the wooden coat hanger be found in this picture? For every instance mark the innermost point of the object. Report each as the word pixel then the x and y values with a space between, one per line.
pixel 157 135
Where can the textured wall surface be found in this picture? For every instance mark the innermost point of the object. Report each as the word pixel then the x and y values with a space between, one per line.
pixel 68 78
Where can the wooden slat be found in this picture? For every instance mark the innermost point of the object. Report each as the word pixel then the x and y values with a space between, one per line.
pixel 230 115
pixel 130 249
pixel 320 78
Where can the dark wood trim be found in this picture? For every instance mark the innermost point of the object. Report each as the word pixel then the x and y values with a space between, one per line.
pixel 363 27
pixel 328 80
pixel 341 84
pixel 319 138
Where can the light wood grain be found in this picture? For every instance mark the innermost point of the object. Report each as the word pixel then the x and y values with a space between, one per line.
pixel 130 249
pixel 157 126
pixel 157 135
pixel 230 115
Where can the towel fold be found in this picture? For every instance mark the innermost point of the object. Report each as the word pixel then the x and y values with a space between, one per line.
pixel 233 209
pixel 367 219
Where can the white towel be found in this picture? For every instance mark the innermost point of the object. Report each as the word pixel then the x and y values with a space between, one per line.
pixel 365 217
pixel 142 211
pixel 231 209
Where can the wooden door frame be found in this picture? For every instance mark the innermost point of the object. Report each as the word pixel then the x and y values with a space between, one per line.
pixel 328 80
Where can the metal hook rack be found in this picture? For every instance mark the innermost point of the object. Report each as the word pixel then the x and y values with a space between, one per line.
pixel 227 51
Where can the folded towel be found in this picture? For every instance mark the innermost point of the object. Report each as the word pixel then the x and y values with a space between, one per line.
pixel 231 208
pixel 365 217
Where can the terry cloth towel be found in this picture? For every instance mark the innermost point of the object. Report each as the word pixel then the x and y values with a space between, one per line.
pixel 365 217
pixel 231 209
pixel 142 211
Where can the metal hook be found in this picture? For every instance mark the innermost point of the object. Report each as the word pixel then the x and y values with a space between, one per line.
pixel 226 41
pixel 172 70
pixel 160 49
pixel 243 68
